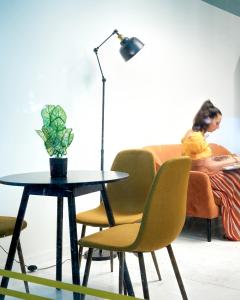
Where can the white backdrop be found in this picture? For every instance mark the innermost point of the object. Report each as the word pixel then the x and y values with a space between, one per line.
pixel 191 54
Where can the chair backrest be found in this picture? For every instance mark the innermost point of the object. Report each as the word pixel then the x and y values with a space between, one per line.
pixel 163 153
pixel 165 210
pixel 128 196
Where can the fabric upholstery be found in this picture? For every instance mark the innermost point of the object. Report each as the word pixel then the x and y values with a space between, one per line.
pixel 200 202
pixel 7 225
pixel 163 216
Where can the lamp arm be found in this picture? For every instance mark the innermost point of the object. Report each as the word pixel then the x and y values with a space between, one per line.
pixel 99 64
pixel 103 96
pixel 114 32
pixel 96 51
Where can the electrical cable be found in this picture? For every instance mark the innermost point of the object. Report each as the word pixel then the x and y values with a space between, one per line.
pixel 33 268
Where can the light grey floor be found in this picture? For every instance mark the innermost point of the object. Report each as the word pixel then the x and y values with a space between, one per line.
pixel 209 270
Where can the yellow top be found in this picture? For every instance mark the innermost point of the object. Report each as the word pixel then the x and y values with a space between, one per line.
pixel 195 146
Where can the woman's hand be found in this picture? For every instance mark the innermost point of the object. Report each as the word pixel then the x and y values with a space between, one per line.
pixel 214 163
pixel 236 158
pixel 218 162
pixel 220 157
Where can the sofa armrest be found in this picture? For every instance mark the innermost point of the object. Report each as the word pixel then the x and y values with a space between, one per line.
pixel 201 201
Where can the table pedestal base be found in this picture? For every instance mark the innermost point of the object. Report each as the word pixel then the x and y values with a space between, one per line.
pixel 99 255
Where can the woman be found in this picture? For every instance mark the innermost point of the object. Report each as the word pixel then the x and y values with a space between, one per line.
pixel 225 185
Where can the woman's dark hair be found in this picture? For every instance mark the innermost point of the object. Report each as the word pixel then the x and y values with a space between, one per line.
pixel 203 118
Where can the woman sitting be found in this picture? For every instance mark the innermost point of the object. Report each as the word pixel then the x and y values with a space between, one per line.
pixel 225 185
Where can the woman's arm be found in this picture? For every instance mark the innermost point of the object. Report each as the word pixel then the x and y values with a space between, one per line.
pixel 214 163
pixel 218 162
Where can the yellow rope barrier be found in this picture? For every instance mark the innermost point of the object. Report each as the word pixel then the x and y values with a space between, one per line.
pixel 55 284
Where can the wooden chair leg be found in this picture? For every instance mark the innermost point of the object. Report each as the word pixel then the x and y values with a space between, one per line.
pixel 121 271
pixel 156 265
pixel 22 264
pixel 80 250
pixel 127 286
pixel 87 270
pixel 177 273
pixel 209 230
pixel 143 275
pixel 125 289
pixel 110 254
pixel 87 267
pixel 111 261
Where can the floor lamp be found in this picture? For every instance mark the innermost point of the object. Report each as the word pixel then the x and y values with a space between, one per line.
pixel 129 48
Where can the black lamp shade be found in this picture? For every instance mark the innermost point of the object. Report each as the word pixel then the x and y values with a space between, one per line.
pixel 130 47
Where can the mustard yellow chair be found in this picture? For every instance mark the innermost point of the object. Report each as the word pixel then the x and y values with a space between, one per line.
pixel 7 225
pixel 162 221
pixel 127 197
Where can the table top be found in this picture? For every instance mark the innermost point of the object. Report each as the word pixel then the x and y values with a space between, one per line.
pixel 73 177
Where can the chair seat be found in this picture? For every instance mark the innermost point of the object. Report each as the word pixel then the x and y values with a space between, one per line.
pixel 97 217
pixel 7 225
pixel 114 238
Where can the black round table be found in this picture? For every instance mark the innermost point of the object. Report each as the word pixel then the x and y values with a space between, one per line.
pixel 76 183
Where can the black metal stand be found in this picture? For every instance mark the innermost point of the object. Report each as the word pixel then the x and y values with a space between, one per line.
pixel 105 255
pixel 102 255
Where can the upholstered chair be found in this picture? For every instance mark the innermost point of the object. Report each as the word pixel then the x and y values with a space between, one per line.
pixel 127 197
pixel 7 225
pixel 162 221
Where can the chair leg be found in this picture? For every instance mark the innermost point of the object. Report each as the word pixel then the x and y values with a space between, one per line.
pixel 156 265
pixel 209 230
pixel 110 255
pixel 22 264
pixel 87 270
pixel 80 250
pixel 121 271
pixel 125 290
pixel 177 273
pixel 143 275
pixel 111 261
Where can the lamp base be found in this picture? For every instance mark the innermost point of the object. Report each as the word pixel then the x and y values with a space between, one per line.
pixel 100 254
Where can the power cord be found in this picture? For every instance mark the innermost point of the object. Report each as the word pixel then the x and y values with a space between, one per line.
pixel 33 268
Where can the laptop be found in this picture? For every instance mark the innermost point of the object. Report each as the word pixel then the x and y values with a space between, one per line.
pixel 232 167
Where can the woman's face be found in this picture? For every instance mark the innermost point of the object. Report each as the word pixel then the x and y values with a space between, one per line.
pixel 215 122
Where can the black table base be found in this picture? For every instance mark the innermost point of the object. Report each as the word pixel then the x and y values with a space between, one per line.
pixel 77 183
pixel 99 255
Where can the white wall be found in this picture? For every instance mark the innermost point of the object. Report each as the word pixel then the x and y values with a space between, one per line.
pixel 191 54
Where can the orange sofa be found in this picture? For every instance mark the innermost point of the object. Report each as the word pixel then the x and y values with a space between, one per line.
pixel 200 203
